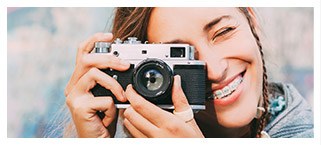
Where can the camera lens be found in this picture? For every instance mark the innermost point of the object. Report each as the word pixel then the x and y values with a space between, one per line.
pixel 153 79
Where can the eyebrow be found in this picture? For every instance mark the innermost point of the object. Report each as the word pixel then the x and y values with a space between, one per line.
pixel 207 27
pixel 176 41
pixel 215 21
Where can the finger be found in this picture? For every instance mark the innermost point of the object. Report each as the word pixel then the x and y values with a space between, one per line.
pixel 139 122
pixel 145 108
pixel 85 47
pixel 78 72
pixel 88 45
pixel 106 105
pixel 101 61
pixel 94 76
pixel 178 97
pixel 133 130
pixel 105 60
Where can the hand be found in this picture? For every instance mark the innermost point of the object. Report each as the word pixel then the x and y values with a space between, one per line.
pixel 80 101
pixel 144 119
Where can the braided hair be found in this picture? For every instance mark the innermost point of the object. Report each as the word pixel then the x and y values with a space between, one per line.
pixel 133 22
pixel 261 122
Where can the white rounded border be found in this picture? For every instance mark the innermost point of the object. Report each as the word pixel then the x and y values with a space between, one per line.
pixel 165 3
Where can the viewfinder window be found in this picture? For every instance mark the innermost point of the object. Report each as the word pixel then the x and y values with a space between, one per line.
pixel 178 52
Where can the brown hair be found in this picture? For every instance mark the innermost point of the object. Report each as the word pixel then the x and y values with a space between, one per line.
pixel 263 119
pixel 133 22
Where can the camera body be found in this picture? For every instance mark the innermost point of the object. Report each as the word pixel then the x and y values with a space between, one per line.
pixel 152 70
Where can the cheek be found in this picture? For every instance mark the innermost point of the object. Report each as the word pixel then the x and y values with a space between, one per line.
pixel 243 111
pixel 244 45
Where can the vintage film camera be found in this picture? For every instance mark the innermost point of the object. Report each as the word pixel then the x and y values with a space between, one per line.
pixel 152 70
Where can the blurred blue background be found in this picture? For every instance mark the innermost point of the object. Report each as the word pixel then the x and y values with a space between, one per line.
pixel 42 43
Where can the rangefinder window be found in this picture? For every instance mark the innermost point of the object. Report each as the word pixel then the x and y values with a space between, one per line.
pixel 178 52
pixel 144 51
pixel 152 71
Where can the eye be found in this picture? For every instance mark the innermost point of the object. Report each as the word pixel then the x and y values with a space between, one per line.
pixel 222 32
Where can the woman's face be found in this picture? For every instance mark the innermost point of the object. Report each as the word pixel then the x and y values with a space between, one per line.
pixel 223 39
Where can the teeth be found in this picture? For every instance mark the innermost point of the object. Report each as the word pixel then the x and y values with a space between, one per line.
pixel 227 90
pixel 233 85
pixel 218 94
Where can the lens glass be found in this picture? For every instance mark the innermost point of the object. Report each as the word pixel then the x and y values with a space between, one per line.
pixel 152 80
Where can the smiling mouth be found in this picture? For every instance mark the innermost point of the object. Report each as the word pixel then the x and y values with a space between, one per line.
pixel 228 89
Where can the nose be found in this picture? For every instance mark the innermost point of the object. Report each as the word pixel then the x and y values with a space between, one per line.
pixel 217 65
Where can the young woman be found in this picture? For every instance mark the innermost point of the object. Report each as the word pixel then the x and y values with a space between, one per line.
pixel 227 39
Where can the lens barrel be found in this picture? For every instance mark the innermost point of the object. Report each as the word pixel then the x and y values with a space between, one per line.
pixel 153 79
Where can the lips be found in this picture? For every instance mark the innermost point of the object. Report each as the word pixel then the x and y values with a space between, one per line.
pixel 228 91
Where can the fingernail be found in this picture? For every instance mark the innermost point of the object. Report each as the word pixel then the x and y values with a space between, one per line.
pixel 178 80
pixel 108 35
pixel 127 87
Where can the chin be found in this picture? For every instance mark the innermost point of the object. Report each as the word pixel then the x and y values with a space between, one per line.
pixel 234 120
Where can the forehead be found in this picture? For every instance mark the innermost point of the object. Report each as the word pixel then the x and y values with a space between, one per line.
pixel 177 21
pixel 194 12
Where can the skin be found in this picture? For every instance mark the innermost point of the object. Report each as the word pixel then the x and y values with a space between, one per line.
pixel 226 56
pixel 80 101
pixel 140 122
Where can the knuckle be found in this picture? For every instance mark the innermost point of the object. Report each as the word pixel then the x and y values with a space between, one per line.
pixel 78 107
pixel 138 106
pixel 73 104
pixel 127 113
pixel 68 101
pixel 110 102
pixel 172 126
pixel 126 122
pixel 182 100
pixel 81 46
pixel 66 91
pixel 85 61
pixel 92 72
pixel 113 60
pixel 97 37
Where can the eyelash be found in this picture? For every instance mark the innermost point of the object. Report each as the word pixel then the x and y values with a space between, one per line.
pixel 223 32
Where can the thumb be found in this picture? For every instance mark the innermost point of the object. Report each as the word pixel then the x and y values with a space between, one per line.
pixel 180 101
pixel 178 97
